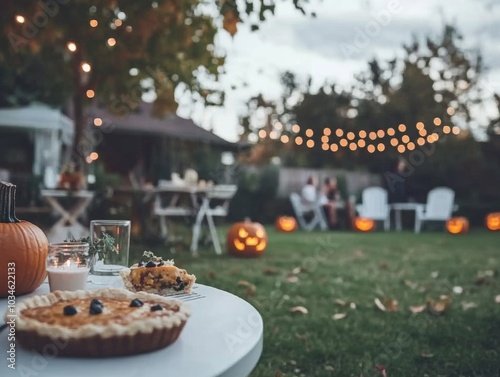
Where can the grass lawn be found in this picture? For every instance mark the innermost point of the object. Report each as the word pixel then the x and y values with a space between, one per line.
pixel 335 269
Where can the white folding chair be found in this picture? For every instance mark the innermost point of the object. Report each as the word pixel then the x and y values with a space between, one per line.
pixel 215 203
pixel 439 207
pixel 375 206
pixel 301 210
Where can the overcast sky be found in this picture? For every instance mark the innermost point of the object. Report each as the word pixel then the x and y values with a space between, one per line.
pixel 320 47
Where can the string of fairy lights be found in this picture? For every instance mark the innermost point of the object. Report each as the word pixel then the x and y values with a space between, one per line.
pixel 371 140
pixel 85 66
pixel 93 23
pixel 361 139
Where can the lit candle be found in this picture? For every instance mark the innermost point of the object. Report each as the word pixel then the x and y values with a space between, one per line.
pixel 72 274
pixel 68 277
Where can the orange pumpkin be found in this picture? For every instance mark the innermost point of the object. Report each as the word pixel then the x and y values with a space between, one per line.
pixel 23 249
pixel 286 224
pixel 493 221
pixel 457 225
pixel 363 224
pixel 246 239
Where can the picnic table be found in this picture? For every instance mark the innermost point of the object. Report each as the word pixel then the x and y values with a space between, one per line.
pixel 69 205
pixel 169 200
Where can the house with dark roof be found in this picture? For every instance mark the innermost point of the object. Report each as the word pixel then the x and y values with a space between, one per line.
pixel 160 146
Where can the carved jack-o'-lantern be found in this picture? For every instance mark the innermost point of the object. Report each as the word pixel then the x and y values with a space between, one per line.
pixel 457 225
pixel 363 224
pixel 246 239
pixel 286 224
pixel 493 221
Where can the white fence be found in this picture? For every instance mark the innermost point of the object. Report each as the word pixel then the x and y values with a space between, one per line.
pixel 293 179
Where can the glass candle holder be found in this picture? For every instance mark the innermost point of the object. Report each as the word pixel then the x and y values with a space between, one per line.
pixel 68 266
pixel 111 261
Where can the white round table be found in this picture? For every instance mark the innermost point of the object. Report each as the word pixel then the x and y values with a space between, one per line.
pixel 398 207
pixel 223 338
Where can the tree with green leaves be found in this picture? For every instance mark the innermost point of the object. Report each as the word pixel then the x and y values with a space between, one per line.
pixel 435 84
pixel 116 50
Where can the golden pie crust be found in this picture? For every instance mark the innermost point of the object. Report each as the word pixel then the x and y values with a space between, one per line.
pixel 119 330
pixel 166 279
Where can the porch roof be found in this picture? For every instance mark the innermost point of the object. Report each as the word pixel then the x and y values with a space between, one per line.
pixel 141 121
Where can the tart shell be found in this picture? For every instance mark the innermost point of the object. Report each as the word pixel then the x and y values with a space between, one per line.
pixel 108 340
pixel 95 346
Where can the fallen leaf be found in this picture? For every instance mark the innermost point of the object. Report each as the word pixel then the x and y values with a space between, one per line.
pixel 233 271
pixel 211 275
pixel 418 308
pixel 340 302
pixel 381 369
pixel 388 305
pixel 278 373
pixel 411 284
pixel 426 354
pixel 490 273
pixel 439 306
pixel 305 338
pixel 292 279
pixel 379 305
pixel 391 305
pixel 497 299
pixel 338 316
pixel 299 309
pixel 457 290
pixel 358 254
pixel 296 270
pixel 251 289
pixel 270 271
pixel 301 337
pixel 383 266
pixel 466 305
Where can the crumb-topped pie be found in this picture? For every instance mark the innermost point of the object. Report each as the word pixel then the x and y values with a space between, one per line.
pixel 100 323
pixel 152 274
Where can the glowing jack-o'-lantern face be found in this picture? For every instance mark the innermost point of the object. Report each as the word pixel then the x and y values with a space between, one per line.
pixel 363 224
pixel 493 221
pixel 457 225
pixel 286 224
pixel 246 239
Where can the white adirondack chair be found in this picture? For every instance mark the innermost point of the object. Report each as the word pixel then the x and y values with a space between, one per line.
pixel 375 206
pixel 318 217
pixel 439 207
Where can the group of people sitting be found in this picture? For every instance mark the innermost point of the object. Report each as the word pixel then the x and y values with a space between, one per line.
pixel 327 196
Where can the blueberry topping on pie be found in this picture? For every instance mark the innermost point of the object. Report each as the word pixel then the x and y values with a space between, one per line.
pixel 97 302
pixel 95 309
pixel 136 303
pixel 69 310
pixel 156 307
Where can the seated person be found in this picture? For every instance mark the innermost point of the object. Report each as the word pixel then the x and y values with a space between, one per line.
pixel 328 200
pixel 309 192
